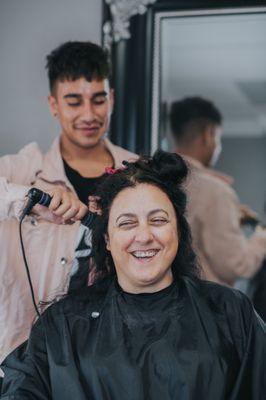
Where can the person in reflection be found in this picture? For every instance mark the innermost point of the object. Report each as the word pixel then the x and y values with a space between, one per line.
pixel 151 329
pixel 214 211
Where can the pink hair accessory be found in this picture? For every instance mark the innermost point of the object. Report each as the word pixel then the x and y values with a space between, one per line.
pixel 112 171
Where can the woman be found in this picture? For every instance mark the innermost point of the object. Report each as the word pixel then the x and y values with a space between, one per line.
pixel 150 329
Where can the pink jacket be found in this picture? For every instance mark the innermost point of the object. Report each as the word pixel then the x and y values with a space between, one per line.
pixel 225 254
pixel 49 247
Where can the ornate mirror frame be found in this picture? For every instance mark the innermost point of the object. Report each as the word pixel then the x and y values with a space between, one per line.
pixel 131 30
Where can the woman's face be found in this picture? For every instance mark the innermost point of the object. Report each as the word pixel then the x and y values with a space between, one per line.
pixel 142 238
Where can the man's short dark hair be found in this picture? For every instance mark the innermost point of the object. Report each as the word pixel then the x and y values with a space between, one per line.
pixel 191 115
pixel 74 60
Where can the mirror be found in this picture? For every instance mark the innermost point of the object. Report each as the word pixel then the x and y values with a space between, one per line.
pixel 221 56
pixel 182 48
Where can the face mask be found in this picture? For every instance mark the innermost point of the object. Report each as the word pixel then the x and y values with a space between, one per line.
pixel 218 148
pixel 216 154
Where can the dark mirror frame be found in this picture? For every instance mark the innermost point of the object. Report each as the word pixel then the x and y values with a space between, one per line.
pixel 132 64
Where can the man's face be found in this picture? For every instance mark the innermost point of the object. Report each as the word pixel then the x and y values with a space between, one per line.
pixel 214 146
pixel 83 109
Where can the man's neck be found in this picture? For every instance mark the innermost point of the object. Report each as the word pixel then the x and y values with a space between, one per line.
pixel 191 153
pixel 89 162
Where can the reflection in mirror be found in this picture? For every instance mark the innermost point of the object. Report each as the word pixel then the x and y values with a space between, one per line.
pixel 220 56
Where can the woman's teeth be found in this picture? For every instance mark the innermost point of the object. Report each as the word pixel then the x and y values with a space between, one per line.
pixel 144 254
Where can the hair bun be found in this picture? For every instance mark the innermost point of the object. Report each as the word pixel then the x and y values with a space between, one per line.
pixel 170 166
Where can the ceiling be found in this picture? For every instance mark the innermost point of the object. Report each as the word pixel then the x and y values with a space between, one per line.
pixel 222 58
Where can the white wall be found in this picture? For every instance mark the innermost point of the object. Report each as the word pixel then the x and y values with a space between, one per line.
pixel 29 30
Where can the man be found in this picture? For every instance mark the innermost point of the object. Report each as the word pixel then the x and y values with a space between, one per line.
pixel 82 102
pixel 214 210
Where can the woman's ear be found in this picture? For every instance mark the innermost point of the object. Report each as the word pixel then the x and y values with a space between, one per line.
pixel 106 237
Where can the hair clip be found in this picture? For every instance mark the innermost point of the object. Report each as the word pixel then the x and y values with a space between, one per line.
pixel 112 171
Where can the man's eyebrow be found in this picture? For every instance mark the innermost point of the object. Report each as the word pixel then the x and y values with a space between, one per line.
pixel 72 96
pixel 103 93
pixel 78 96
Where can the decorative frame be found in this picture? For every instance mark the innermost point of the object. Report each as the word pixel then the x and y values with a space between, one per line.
pixel 136 66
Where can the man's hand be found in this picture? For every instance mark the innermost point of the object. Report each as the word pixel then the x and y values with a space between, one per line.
pixel 65 207
pixel 261 231
pixel 247 215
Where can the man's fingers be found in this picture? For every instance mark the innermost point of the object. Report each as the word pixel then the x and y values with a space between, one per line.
pixel 81 212
pixel 70 213
pixel 56 199
pixel 46 214
pixel 65 207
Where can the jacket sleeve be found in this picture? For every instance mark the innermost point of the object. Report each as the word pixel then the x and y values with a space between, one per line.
pixel 26 374
pixel 230 254
pixel 16 174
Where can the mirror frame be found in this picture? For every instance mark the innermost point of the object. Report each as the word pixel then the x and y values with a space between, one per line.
pixel 136 74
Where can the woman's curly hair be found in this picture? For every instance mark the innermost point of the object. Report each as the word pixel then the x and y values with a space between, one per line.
pixel 167 171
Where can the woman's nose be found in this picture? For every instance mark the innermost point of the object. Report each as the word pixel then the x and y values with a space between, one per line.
pixel 144 234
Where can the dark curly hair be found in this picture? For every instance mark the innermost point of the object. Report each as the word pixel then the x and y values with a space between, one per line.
pixel 74 60
pixel 167 171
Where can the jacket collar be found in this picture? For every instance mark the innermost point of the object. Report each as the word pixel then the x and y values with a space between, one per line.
pixel 53 167
pixel 193 163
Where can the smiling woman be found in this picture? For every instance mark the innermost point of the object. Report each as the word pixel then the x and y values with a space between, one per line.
pixel 150 329
pixel 142 237
pixel 143 209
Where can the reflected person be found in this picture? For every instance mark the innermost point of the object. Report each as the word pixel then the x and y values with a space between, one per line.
pixel 214 210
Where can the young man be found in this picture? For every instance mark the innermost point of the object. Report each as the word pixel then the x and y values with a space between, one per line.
pixel 57 253
pixel 214 210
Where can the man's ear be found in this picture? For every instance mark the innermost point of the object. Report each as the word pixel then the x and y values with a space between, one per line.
pixel 53 105
pixel 107 241
pixel 112 99
pixel 207 134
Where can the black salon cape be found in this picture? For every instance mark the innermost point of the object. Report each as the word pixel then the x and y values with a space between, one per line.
pixel 192 340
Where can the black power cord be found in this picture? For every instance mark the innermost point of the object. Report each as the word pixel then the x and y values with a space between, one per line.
pixel 27 267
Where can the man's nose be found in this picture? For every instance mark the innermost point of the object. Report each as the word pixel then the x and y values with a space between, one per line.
pixel 87 112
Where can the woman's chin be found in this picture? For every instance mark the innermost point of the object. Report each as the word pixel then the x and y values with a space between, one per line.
pixel 149 282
